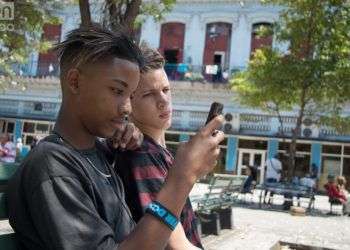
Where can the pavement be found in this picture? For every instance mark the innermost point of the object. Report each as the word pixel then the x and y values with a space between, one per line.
pixel 260 229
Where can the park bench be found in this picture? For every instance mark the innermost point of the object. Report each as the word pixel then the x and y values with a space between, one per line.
pixel 6 172
pixel 7 241
pixel 288 191
pixel 214 209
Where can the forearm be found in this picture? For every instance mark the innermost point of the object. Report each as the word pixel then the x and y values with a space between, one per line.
pixel 150 233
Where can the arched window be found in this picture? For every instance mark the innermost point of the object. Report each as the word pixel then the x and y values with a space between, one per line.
pixel 172 38
pixel 217 50
pixel 261 36
pixel 48 62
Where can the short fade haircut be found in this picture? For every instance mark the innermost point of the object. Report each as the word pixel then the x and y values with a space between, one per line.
pixel 91 44
pixel 153 60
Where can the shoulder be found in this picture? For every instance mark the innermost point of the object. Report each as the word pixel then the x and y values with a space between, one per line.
pixel 46 161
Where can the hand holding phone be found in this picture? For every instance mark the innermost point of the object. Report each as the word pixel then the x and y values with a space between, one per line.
pixel 216 109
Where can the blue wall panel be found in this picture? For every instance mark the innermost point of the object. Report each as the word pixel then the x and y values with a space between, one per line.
pixel 231 154
pixel 316 155
pixel 272 148
pixel 18 130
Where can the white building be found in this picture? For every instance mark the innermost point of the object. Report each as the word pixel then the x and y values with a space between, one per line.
pixel 198 36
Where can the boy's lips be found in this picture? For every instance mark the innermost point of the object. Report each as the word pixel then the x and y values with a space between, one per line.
pixel 165 115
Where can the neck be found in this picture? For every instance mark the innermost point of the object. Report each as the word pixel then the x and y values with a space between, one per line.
pixel 72 130
pixel 156 134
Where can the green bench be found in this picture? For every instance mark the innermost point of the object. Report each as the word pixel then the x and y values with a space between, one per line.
pixel 6 172
pixel 223 192
pixel 7 241
pixel 214 210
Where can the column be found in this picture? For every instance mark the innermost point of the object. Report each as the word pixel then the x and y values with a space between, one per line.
pixel 150 33
pixel 316 155
pixel 194 41
pixel 184 137
pixel 272 148
pixel 18 130
pixel 231 154
pixel 240 43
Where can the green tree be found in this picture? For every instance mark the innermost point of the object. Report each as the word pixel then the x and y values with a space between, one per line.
pixel 127 13
pixel 313 76
pixel 22 35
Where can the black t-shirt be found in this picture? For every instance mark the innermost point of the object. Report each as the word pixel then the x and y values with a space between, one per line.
pixel 59 199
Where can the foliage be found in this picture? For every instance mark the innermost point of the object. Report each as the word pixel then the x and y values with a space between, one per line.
pixel 132 13
pixel 24 34
pixel 313 76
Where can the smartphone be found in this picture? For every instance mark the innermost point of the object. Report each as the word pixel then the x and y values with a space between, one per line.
pixel 216 109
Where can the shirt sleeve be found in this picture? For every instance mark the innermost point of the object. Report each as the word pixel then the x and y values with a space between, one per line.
pixel 66 217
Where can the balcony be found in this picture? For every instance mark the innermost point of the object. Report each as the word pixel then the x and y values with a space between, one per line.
pixel 37 69
pixel 256 124
pixel 196 73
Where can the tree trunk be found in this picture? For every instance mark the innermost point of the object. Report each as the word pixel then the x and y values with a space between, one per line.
pixel 85 13
pixel 132 11
pixel 295 134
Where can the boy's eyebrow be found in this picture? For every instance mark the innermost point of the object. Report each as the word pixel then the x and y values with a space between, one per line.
pixel 120 82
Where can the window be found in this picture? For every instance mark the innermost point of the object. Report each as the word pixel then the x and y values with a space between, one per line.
pixel 303 147
pixel 346 171
pixel 347 150
pixel 253 144
pixel 331 149
pixel 10 127
pixel 261 36
pixel 29 127
pixel 284 146
pixel 42 127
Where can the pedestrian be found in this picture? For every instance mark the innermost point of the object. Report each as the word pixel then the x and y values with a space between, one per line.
pixel 341 184
pixel 7 149
pixel 65 195
pixel 252 173
pixel 273 174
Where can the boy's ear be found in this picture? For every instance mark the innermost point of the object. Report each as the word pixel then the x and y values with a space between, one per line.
pixel 73 76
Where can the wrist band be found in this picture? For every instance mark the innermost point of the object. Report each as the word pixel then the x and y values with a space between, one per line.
pixel 163 214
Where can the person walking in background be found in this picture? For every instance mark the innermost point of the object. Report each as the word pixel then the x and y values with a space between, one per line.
pixel 341 184
pixel 273 174
pixel 144 170
pixel 7 149
pixel 250 182
pixel 273 169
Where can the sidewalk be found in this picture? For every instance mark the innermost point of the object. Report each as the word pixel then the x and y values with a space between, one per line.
pixel 260 229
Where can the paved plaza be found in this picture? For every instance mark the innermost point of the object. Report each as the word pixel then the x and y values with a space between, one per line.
pixel 261 228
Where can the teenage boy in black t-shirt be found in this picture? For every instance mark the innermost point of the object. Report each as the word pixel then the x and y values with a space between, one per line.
pixel 64 195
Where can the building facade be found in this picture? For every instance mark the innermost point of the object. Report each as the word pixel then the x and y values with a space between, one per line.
pixel 200 37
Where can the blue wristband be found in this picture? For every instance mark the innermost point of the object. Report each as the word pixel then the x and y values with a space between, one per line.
pixel 163 214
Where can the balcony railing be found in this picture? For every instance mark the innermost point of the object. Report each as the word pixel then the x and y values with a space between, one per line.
pixel 37 69
pixel 253 124
pixel 196 73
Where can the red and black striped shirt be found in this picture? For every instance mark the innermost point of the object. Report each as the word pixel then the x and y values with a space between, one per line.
pixel 143 173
